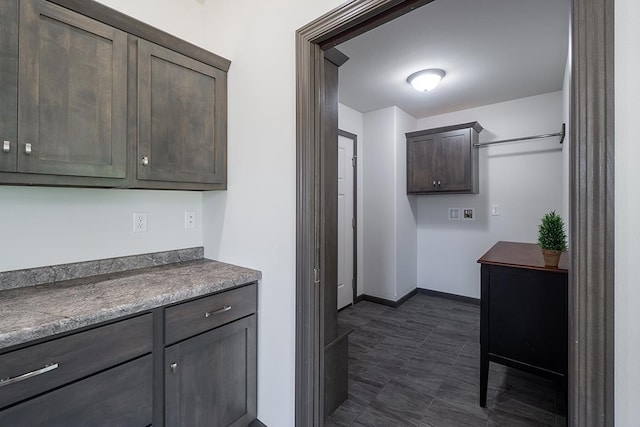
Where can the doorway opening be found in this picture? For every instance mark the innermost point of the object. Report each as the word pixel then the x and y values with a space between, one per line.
pixel 591 204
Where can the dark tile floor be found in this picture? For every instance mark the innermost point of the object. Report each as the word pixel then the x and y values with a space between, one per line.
pixel 418 365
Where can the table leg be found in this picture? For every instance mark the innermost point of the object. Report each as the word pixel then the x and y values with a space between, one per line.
pixel 484 377
pixel 484 334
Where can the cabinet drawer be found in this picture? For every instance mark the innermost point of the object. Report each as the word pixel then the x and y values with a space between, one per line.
pixel 121 396
pixel 191 318
pixel 76 356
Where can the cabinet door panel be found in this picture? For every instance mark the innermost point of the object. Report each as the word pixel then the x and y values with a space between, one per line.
pixel 454 171
pixel 527 312
pixel 421 164
pixel 8 84
pixel 181 117
pixel 72 101
pixel 214 379
pixel 121 396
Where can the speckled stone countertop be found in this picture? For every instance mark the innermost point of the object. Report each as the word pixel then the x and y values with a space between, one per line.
pixel 33 312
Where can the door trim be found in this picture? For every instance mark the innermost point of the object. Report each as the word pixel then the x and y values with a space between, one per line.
pixel 354 138
pixel 591 310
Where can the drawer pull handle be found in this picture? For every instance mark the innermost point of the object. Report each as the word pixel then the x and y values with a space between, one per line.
pixel 174 367
pixel 222 310
pixel 6 146
pixel 28 375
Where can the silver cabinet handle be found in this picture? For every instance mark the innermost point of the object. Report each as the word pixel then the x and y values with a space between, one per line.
pixel 28 375
pixel 27 149
pixel 434 183
pixel 145 161
pixel 173 367
pixel 6 146
pixel 439 184
pixel 222 310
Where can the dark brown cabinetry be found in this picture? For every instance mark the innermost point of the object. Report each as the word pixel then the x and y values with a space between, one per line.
pixel 181 119
pixel 211 371
pixel 8 85
pixel 103 100
pixel 523 313
pixel 188 364
pixel 119 396
pixel 211 378
pixel 71 93
pixel 443 160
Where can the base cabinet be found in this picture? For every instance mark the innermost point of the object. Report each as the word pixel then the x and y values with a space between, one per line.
pixel 211 378
pixel 121 396
pixel 112 374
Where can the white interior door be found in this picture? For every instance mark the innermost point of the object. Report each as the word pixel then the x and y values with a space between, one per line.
pixel 345 221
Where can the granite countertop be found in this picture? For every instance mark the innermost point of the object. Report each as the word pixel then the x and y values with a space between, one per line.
pixel 33 312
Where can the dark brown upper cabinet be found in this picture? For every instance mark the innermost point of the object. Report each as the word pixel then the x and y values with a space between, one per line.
pixel 94 98
pixel 72 94
pixel 8 86
pixel 181 119
pixel 443 160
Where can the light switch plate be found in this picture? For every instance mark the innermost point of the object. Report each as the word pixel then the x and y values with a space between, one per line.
pixel 454 214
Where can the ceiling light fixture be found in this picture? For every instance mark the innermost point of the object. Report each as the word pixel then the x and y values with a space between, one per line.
pixel 426 80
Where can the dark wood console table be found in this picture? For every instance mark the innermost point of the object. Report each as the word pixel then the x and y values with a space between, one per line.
pixel 523 312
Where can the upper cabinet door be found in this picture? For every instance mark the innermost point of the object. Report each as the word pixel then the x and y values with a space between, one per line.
pixel 72 94
pixel 181 118
pixel 8 85
pixel 454 165
pixel 422 162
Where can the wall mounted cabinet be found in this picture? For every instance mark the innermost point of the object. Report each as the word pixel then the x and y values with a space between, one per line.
pixel 443 160
pixel 104 100
pixel 72 94
pixel 181 117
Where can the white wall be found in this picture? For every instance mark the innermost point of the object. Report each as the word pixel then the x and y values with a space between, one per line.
pixel 379 228
pixel 566 114
pixel 627 249
pixel 389 230
pixel 523 178
pixel 48 226
pixel 351 121
pixel 406 210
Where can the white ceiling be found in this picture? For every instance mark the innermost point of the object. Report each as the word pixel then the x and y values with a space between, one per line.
pixel 491 50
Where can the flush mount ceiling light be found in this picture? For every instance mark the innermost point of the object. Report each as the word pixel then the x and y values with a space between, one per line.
pixel 425 80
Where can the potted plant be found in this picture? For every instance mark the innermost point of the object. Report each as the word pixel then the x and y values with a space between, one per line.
pixel 552 238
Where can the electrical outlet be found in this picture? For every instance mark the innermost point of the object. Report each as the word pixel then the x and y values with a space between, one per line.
pixel 189 219
pixel 139 222
pixel 495 210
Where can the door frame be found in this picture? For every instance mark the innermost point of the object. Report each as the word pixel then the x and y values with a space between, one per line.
pixel 354 139
pixel 591 216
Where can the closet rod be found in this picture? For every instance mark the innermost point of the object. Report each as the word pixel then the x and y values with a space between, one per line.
pixel 560 134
